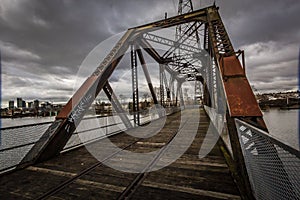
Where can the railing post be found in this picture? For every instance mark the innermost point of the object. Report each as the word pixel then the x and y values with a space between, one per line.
pixel 161 85
pixel 135 92
pixel 238 163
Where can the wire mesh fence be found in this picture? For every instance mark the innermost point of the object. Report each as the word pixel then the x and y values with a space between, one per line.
pixel 17 141
pixel 273 167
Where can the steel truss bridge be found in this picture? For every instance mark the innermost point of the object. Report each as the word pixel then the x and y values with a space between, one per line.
pixel 201 52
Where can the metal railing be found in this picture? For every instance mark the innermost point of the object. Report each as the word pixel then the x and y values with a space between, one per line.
pixel 17 141
pixel 219 122
pixel 272 166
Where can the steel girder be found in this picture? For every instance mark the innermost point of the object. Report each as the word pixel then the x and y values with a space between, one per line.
pixel 235 84
pixel 116 105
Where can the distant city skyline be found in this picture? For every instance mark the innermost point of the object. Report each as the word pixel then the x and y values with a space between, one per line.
pixel 19 102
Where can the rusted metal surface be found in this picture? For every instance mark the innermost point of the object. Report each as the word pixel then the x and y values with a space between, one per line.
pixel 230 66
pixel 220 41
pixel 240 98
pixel 76 98
pixel 74 111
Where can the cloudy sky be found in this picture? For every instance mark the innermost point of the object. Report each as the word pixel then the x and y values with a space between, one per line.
pixel 43 43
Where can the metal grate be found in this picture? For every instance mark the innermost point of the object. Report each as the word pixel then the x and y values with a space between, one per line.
pixel 17 141
pixel 273 167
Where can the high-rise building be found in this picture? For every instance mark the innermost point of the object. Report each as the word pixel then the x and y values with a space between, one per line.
pixel 23 104
pixel 36 104
pixel 11 104
pixel 19 102
pixel 30 104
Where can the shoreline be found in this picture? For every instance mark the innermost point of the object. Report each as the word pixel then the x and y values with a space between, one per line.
pixel 294 107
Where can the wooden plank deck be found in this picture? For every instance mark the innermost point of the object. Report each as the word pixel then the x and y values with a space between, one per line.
pixel 189 177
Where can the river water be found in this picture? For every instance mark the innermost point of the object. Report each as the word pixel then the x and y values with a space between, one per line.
pixel 283 124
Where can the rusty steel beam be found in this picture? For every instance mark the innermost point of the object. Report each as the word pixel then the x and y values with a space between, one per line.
pixel 116 105
pixel 161 84
pixel 57 135
pixel 175 63
pixel 238 92
pixel 240 98
pixel 219 39
pixel 147 75
pixel 150 50
pixel 155 55
pixel 241 102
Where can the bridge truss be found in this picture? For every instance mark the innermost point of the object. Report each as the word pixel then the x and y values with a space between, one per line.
pixel 215 64
pixel 201 52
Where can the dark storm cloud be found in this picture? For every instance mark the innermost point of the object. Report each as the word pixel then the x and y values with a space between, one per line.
pixel 44 42
pixel 261 21
pixel 60 31
pixel 63 30
pixel 51 38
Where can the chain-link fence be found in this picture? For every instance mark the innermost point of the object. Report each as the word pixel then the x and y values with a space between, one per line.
pixel 17 141
pixel 273 167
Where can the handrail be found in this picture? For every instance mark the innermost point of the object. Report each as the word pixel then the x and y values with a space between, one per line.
pixel 272 166
pixel 272 138
pixel 21 146
pixel 43 123
pixel 25 125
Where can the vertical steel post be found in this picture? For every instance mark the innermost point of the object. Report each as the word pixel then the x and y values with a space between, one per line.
pixel 135 92
pixel 206 95
pixel 210 82
pixel 177 93
pixel 181 97
pixel 180 93
pixel 206 39
pixel 197 92
pixel 169 88
pixel 161 84
pixel 172 88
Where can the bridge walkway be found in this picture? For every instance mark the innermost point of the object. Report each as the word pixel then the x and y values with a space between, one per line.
pixel 78 175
